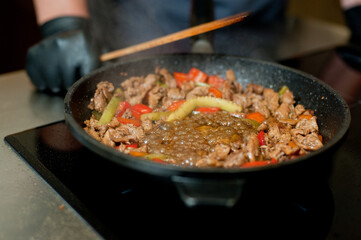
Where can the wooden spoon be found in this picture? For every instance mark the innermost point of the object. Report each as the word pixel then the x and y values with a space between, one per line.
pixel 202 28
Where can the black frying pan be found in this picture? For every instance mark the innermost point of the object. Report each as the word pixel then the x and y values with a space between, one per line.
pixel 218 186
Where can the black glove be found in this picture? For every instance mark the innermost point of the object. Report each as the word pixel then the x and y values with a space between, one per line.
pixel 66 53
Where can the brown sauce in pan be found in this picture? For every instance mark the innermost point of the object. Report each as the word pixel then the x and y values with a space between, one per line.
pixel 195 137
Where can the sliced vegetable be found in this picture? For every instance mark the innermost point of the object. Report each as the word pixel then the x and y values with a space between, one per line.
pixel 197 75
pixel 174 106
pixel 180 78
pixel 189 105
pixel 97 115
pixel 251 122
pixel 133 145
pixel 134 122
pixel 111 108
pixel 122 106
pixel 154 116
pixel 259 163
pixel 217 93
pixel 158 160
pixel 261 138
pixel 137 154
pixel 257 116
pixel 161 156
pixel 215 81
pixel 139 109
pixel 282 90
pixel 203 84
pixel 207 109
pixel 305 116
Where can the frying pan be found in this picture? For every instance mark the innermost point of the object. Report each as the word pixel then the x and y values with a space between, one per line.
pixel 220 186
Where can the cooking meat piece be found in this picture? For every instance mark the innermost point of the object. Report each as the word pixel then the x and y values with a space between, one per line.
pixel 254 88
pixel 287 97
pixel 283 111
pixel 235 159
pixel 274 132
pixel 147 125
pixel 213 159
pixel 308 142
pixel 173 95
pixel 307 126
pixel 136 88
pixel 168 78
pixel 155 95
pixel 260 106
pixel 299 109
pixel 188 86
pixel 197 92
pixel 271 98
pixel 241 100
pixel 230 76
pixel 252 147
pixel 107 138
pixel 220 151
pixel 102 96
pixel 126 133
pixel 227 91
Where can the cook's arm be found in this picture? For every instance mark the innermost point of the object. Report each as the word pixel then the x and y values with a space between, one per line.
pixel 47 10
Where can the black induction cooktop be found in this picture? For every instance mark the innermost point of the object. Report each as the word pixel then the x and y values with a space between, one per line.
pixel 114 200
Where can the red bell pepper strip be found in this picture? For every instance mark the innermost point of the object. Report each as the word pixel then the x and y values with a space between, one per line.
pixel 139 109
pixel 197 75
pixel 261 138
pixel 260 163
pixel 133 145
pixel 180 78
pixel 135 122
pixel 257 116
pixel 158 160
pixel 122 106
pixel 174 106
pixel 207 109
pixel 217 93
pixel 215 81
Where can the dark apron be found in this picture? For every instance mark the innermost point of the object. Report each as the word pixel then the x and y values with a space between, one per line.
pixel 121 23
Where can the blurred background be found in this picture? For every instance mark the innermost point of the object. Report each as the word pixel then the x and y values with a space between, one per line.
pixel 19 29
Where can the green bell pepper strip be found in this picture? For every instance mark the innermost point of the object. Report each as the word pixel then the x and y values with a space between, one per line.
pixel 161 156
pixel 154 116
pixel 111 108
pixel 282 90
pixel 189 105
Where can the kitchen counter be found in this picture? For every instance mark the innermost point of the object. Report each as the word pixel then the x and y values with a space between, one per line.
pixel 29 207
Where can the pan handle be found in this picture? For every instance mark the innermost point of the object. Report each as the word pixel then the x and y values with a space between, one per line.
pixel 208 192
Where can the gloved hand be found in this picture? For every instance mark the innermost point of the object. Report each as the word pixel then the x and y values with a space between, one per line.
pixel 66 53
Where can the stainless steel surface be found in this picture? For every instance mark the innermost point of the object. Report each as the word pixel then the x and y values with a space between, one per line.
pixel 29 207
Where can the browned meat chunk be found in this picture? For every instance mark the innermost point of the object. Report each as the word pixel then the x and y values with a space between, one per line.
pixel 271 98
pixel 102 96
pixel 198 92
pixel 136 88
